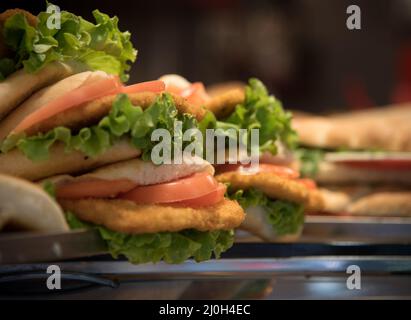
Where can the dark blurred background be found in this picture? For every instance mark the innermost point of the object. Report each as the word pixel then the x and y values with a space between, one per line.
pixel 301 49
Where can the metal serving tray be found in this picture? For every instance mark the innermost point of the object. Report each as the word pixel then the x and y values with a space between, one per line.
pixel 248 270
pixel 359 229
pixel 24 247
pixel 323 235
pixel 273 278
pixel 350 229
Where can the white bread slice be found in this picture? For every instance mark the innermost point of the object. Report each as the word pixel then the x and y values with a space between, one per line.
pixel 24 205
pixel 20 85
pixel 46 95
pixel 17 164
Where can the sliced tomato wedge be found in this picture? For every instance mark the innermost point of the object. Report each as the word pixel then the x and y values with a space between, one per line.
pixel 93 188
pixel 189 188
pixel 75 98
pixel 210 199
pixel 378 164
pixel 195 94
pixel 174 89
pixel 151 86
pixel 92 91
pixel 308 183
pixel 281 171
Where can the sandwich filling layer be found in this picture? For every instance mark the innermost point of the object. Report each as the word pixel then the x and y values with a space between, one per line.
pixel 275 191
pixel 173 211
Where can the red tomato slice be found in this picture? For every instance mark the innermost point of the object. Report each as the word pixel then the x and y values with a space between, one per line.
pixel 383 164
pixel 174 89
pixel 281 171
pixel 308 183
pixel 151 86
pixel 208 200
pixel 75 98
pixel 325 213
pixel 192 187
pixel 92 91
pixel 195 94
pixel 93 188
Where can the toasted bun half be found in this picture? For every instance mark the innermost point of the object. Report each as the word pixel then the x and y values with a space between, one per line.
pixel 17 164
pixel 128 217
pixel 24 205
pixel 275 187
pixel 383 204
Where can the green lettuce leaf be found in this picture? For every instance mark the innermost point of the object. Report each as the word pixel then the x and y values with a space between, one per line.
pixel 171 247
pixel 50 188
pixel 124 119
pixel 285 217
pixel 309 159
pixel 100 45
pixel 264 112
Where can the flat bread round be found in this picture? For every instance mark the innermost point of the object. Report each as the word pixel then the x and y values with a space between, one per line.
pixel 20 85
pixel 26 206
pixel 128 217
pixel 275 187
pixel 140 172
pixel 383 204
pixel 45 96
pixel 385 130
pixel 223 105
pixel 91 112
pixel 17 164
pixel 334 201
pixel 339 174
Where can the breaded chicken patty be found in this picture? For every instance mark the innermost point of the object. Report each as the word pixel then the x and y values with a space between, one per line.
pixel 128 217
pixel 224 104
pixel 274 187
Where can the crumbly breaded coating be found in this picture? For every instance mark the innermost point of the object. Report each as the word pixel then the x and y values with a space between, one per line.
pixel 224 104
pixel 128 217
pixel 274 187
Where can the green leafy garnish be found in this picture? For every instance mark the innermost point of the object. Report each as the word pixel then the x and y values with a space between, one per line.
pixel 285 217
pixel 309 159
pixel 100 45
pixel 50 189
pixel 171 247
pixel 264 112
pixel 124 119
